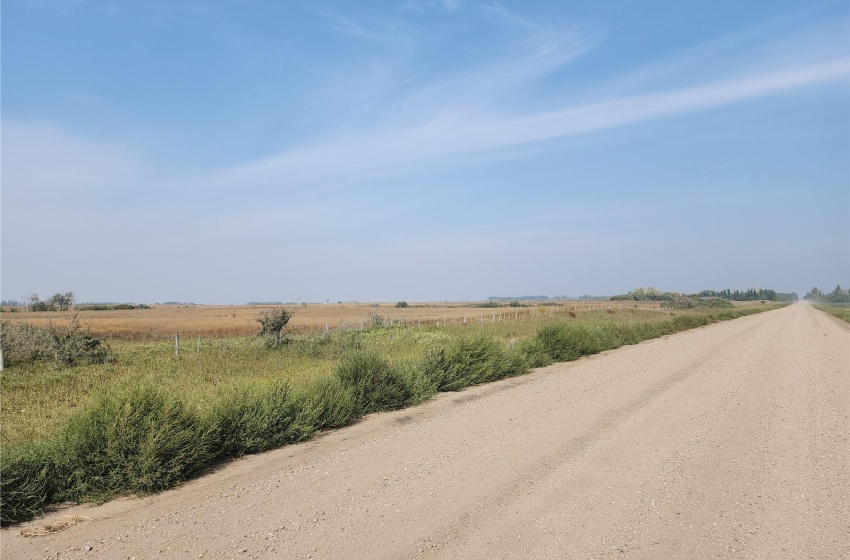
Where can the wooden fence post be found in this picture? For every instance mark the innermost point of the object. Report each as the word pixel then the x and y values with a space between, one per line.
pixel 176 344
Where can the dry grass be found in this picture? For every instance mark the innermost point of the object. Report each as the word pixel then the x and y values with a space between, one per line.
pixel 54 527
pixel 229 321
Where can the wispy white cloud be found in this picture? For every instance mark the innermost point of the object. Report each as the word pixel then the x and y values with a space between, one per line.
pixel 496 9
pixel 452 135
pixel 787 41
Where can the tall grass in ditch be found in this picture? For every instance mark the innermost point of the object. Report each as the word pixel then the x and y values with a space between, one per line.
pixel 138 438
pixel 471 361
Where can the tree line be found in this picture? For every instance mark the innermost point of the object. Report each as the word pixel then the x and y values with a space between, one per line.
pixel 835 296
pixel 753 294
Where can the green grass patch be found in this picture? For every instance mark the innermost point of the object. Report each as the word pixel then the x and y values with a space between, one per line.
pixel 471 361
pixel 375 383
pixel 842 311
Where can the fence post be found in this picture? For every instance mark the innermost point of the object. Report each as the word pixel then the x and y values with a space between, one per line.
pixel 199 343
pixel 176 344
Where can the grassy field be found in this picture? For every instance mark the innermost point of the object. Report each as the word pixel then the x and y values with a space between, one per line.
pixel 149 419
pixel 842 311
pixel 227 321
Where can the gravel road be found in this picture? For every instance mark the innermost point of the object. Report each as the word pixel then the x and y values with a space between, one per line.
pixel 728 441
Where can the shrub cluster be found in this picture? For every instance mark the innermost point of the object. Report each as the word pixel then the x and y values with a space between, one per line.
pixel 111 306
pixel 137 439
pixel 471 361
pixel 67 345
pixel 375 384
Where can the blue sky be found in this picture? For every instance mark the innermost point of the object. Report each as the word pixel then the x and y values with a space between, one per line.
pixel 221 152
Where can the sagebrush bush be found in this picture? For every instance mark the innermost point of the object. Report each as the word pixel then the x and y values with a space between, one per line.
pixel 470 361
pixel 133 439
pixel 272 322
pixel 74 344
pixel 23 342
pixel 256 417
pixel 65 345
pixel 376 384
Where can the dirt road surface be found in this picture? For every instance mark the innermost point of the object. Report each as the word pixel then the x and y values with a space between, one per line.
pixel 729 441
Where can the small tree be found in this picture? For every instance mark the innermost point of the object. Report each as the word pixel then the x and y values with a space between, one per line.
pixel 62 302
pixel 272 323
pixel 402 304
pixel 36 304
pixel 57 302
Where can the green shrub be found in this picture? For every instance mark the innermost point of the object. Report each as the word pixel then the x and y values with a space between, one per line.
pixel 329 402
pixel 133 439
pixel 272 322
pixel 375 383
pixel 470 361
pixel 27 481
pixel 533 353
pixel 251 418
pixel 421 385
pixel 565 342
pixel 349 340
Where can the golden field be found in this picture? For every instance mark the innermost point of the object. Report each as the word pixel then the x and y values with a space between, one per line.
pixel 225 321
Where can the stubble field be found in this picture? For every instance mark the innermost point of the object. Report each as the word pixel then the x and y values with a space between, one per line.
pixel 161 322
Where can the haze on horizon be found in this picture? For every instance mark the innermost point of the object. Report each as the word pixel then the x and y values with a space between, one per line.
pixel 422 150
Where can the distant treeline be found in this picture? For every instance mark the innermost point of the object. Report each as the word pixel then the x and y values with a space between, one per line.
pixel 836 296
pixel 520 298
pixel 65 302
pixel 548 298
pixel 111 306
pixel 752 294
pixel 647 294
